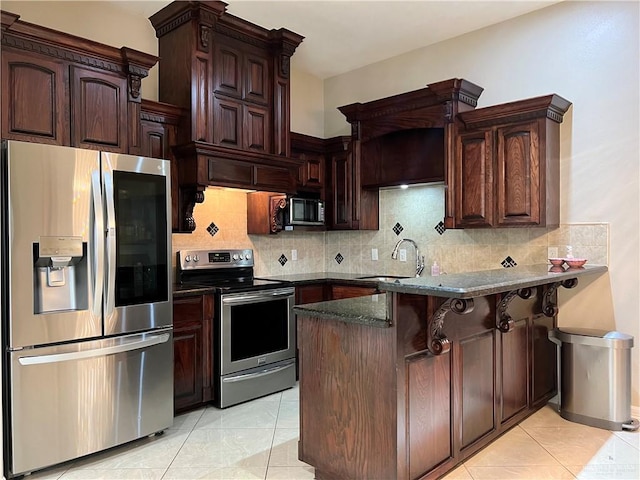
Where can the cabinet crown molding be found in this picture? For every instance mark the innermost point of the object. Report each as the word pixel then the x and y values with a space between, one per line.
pixel 52 43
pixel 551 106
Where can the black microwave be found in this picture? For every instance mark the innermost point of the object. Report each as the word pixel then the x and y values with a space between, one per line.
pixel 303 211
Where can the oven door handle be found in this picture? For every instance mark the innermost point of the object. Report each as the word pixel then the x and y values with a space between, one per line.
pixel 262 373
pixel 266 296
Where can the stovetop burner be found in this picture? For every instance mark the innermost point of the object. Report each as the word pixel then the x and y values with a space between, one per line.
pixel 224 270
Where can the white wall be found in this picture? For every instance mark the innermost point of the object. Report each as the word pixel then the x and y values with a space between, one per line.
pixel 587 52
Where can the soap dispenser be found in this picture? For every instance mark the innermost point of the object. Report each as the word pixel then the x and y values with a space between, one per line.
pixel 435 269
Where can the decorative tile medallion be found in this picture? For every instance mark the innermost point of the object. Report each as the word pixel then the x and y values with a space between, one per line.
pixel 212 229
pixel 339 258
pixel 508 262
pixel 283 259
pixel 397 228
pixel 440 228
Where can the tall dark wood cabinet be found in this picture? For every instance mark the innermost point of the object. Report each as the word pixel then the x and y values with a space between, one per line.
pixel 506 171
pixel 192 351
pixel 65 90
pixel 233 78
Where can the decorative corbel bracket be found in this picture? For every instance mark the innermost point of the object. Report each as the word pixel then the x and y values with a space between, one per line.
pixel 276 204
pixel 189 199
pixel 504 322
pixel 437 342
pixel 549 308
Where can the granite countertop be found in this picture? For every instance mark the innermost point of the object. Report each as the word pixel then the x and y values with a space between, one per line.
pixel 369 310
pixel 487 282
pixel 318 277
pixel 372 310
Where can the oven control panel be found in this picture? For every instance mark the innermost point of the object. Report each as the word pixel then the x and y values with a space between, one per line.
pixel 208 259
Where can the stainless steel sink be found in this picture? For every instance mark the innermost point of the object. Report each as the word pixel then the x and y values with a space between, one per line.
pixel 381 278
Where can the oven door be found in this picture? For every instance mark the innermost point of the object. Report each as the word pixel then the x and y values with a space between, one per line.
pixel 256 329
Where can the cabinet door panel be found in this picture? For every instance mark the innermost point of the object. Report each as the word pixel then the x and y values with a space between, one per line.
pixel 350 291
pixel 227 127
pixel 256 79
pixel 273 178
pixel 428 412
pixel 514 370
pixel 474 180
pixel 478 395
pixel 518 171
pixel 544 354
pixel 228 70
pixel 187 351
pixel 342 191
pixel 33 99
pixel 256 129
pixel 229 172
pixel 99 110
pixel 153 139
pixel 310 294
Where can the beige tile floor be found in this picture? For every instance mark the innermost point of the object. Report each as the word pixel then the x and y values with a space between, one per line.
pixel 258 440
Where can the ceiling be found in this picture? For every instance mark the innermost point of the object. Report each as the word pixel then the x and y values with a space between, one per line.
pixel 343 35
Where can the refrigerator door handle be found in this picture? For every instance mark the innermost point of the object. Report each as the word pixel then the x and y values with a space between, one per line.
pixel 135 344
pixel 98 239
pixel 110 277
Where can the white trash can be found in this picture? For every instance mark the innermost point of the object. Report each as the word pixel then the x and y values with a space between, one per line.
pixel 595 377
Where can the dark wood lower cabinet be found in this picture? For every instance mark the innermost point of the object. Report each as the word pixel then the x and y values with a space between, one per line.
pixel 192 354
pixel 376 404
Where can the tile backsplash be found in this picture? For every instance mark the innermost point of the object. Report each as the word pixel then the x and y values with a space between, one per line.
pixel 414 213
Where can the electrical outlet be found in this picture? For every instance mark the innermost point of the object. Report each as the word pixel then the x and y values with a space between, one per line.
pixel 374 254
pixel 294 255
pixel 403 255
pixel 552 252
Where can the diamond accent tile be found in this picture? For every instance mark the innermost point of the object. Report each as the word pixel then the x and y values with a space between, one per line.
pixel 508 262
pixel 339 258
pixel 212 229
pixel 397 228
pixel 440 228
pixel 283 259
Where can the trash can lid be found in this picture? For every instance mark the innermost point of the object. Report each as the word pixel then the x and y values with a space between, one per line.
pixel 592 336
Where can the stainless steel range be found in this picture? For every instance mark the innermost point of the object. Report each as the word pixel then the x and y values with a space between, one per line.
pixel 254 334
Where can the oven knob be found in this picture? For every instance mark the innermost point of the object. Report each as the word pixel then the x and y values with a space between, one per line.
pixel 235 256
pixel 247 256
pixel 187 258
pixel 196 258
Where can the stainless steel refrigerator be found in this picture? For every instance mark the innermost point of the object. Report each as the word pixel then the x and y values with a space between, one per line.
pixel 86 302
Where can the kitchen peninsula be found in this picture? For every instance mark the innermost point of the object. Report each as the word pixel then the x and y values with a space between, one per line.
pixel 409 383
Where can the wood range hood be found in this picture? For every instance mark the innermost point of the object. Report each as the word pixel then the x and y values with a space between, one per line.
pixel 406 138
pixel 233 78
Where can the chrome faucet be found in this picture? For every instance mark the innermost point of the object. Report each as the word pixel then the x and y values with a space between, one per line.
pixel 419 259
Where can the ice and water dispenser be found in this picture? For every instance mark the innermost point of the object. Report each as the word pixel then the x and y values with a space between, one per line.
pixel 60 274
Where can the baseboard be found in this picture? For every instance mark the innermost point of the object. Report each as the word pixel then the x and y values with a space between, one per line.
pixel 635 412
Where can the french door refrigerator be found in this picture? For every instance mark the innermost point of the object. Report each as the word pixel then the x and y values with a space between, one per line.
pixel 86 302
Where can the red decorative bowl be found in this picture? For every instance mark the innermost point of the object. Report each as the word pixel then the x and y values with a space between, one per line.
pixel 575 262
pixel 556 262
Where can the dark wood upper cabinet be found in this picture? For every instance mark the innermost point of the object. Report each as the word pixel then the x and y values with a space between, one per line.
pixel 34 98
pixel 311 151
pixel 233 78
pixel 474 198
pixel 506 171
pixel 99 110
pixel 66 90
